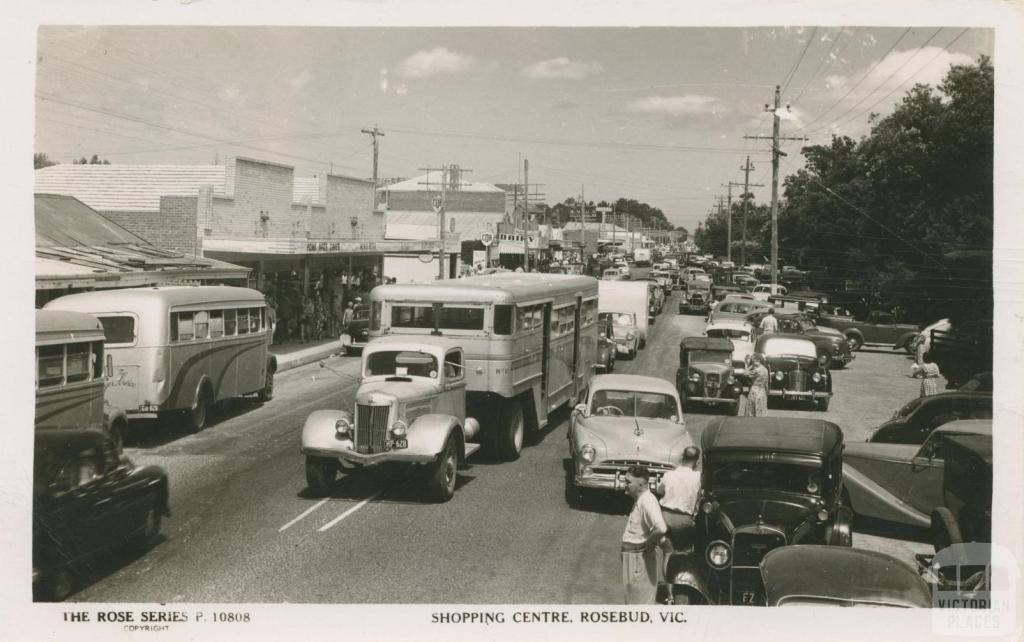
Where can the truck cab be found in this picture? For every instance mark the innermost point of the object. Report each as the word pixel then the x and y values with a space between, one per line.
pixel 410 408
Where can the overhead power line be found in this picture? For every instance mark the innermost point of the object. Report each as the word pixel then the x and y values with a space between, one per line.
pixel 824 59
pixel 792 72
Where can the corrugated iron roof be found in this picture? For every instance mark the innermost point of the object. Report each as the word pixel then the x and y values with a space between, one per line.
pixel 128 188
pixel 65 221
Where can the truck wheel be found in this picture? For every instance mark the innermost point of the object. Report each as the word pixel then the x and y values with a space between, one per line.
pixel 441 473
pixel 320 475
pixel 117 430
pixel 266 393
pixel 854 341
pixel 512 427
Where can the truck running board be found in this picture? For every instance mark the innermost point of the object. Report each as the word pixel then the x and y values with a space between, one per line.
pixel 471 448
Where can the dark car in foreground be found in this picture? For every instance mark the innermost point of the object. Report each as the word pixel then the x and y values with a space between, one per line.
pixel 766 482
pixel 797 370
pixel 837 576
pixel 912 423
pixel 87 500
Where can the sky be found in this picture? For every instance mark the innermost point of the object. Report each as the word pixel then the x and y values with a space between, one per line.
pixel 654 114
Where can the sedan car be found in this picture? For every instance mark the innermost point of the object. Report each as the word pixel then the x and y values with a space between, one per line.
pixel 736 309
pixel 810 575
pixel 828 340
pixel 902 483
pixel 742 335
pixel 357 334
pixel 796 369
pixel 625 420
pixel 87 499
pixel 912 423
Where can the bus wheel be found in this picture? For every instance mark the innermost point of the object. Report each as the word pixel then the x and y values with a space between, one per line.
pixel 117 430
pixel 266 393
pixel 199 415
pixel 511 431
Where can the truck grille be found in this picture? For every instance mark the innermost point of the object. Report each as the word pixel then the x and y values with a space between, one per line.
pixel 712 382
pixel 371 428
pixel 798 381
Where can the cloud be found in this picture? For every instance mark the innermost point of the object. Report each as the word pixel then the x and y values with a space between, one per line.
pixel 561 68
pixel 300 81
pixel 402 89
pixel 689 105
pixel 424 64
pixel 897 73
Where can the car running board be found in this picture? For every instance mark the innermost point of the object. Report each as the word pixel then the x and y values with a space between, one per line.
pixel 471 448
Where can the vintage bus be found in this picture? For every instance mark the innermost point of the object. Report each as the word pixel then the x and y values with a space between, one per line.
pixel 180 349
pixel 530 342
pixel 69 370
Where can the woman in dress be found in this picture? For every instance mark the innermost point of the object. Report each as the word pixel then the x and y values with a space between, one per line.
pixel 929 373
pixel 757 399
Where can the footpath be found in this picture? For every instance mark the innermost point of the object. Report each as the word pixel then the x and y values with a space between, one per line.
pixel 293 354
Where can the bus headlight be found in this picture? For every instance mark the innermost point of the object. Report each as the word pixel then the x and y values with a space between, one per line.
pixel 630 336
pixel 718 554
pixel 343 429
pixel 587 453
pixel 399 428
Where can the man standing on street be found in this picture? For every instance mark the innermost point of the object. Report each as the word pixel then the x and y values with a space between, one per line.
pixel 645 528
pixel 769 324
pixel 679 489
pixel 346 317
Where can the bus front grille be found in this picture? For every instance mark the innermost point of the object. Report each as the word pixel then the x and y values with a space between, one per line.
pixel 371 428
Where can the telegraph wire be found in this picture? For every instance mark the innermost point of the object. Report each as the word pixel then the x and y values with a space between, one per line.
pixel 792 72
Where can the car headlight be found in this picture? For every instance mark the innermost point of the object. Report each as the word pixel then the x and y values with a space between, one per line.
pixel 695 377
pixel 812 485
pixel 718 554
pixel 822 515
pixel 343 428
pixel 587 453
pixel 779 375
pixel 630 336
pixel 399 428
pixel 815 377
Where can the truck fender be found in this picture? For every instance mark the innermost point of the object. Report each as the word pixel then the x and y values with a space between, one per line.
pixel 904 340
pixel 318 430
pixel 871 500
pixel 428 433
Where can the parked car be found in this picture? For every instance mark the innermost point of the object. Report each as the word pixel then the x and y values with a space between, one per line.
pixel 765 290
pixel 796 369
pixel 611 274
pixel 706 373
pixel 625 420
pixel 624 331
pixel 877 328
pixel 912 423
pixel 902 483
pixel 814 575
pixel 410 408
pixel 606 351
pixel 357 334
pixel 828 340
pixel 736 309
pixel 766 482
pixel 87 499
pixel 744 280
pixel 742 335
pixel 980 382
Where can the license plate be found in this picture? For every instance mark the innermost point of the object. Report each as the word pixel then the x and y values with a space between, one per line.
pixel 747 597
pixel 396 443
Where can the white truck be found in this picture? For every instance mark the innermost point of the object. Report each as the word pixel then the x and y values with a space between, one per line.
pixel 630 302
pixel 642 257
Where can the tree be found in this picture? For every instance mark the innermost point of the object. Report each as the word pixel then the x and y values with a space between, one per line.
pixel 95 160
pixel 40 161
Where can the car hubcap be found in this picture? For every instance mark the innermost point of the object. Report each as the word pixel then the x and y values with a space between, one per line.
pixel 449 472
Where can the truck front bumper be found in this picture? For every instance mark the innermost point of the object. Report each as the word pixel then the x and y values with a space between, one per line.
pixel 351 457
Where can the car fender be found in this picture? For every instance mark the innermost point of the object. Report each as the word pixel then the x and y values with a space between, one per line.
pixel 904 340
pixel 869 499
pixel 318 431
pixel 854 332
pixel 428 433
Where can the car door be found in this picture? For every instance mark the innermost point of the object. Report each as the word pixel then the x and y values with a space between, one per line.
pixel 925 475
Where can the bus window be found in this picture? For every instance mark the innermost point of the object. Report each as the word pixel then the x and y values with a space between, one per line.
pixel 97 360
pixel 243 321
pixel 78 365
pixel 503 317
pixel 51 365
pixel 119 329
pixel 229 323
pixel 589 311
pixel 412 316
pixel 201 324
pixel 254 319
pixel 216 324
pixel 375 313
pixel 462 318
pixel 184 328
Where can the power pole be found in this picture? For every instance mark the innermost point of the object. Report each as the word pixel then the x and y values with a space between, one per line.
pixel 374 133
pixel 438 204
pixel 526 215
pixel 746 200
pixel 776 152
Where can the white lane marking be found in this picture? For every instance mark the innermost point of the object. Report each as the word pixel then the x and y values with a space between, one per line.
pixel 351 510
pixel 304 514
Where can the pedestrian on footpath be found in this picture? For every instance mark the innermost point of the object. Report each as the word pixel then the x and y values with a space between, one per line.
pixel 757 397
pixel 306 322
pixel 346 316
pixel 640 551
pixel 769 324
pixel 271 318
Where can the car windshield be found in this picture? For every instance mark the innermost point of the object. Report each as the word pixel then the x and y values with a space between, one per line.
pixel 729 333
pixel 401 363
pixel 790 347
pixel 629 403
pixel 710 356
pixel 742 475
pixel 361 314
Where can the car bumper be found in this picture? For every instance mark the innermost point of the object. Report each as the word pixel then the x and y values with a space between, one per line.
pixel 805 394
pixel 713 400
pixel 359 459
pixel 588 478
pixel 843 358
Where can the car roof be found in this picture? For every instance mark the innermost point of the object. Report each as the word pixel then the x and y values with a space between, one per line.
pixel 842 573
pixel 967 427
pixel 706 343
pixel 65 324
pixel 789 434
pixel 980 445
pixel 764 338
pixel 637 383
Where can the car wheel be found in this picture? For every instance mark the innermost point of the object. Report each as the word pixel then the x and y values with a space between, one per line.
pixel 945 530
pixel 441 473
pixel 512 429
pixel 854 342
pixel 199 416
pixel 631 354
pixel 266 393
pixel 822 404
pixel 320 475
pixel 61 584
pixel 643 343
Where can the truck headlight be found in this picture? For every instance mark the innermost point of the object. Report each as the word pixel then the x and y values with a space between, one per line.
pixel 630 336
pixel 823 359
pixel 695 377
pixel 816 377
pixel 718 554
pixel 587 453
pixel 343 428
pixel 399 428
